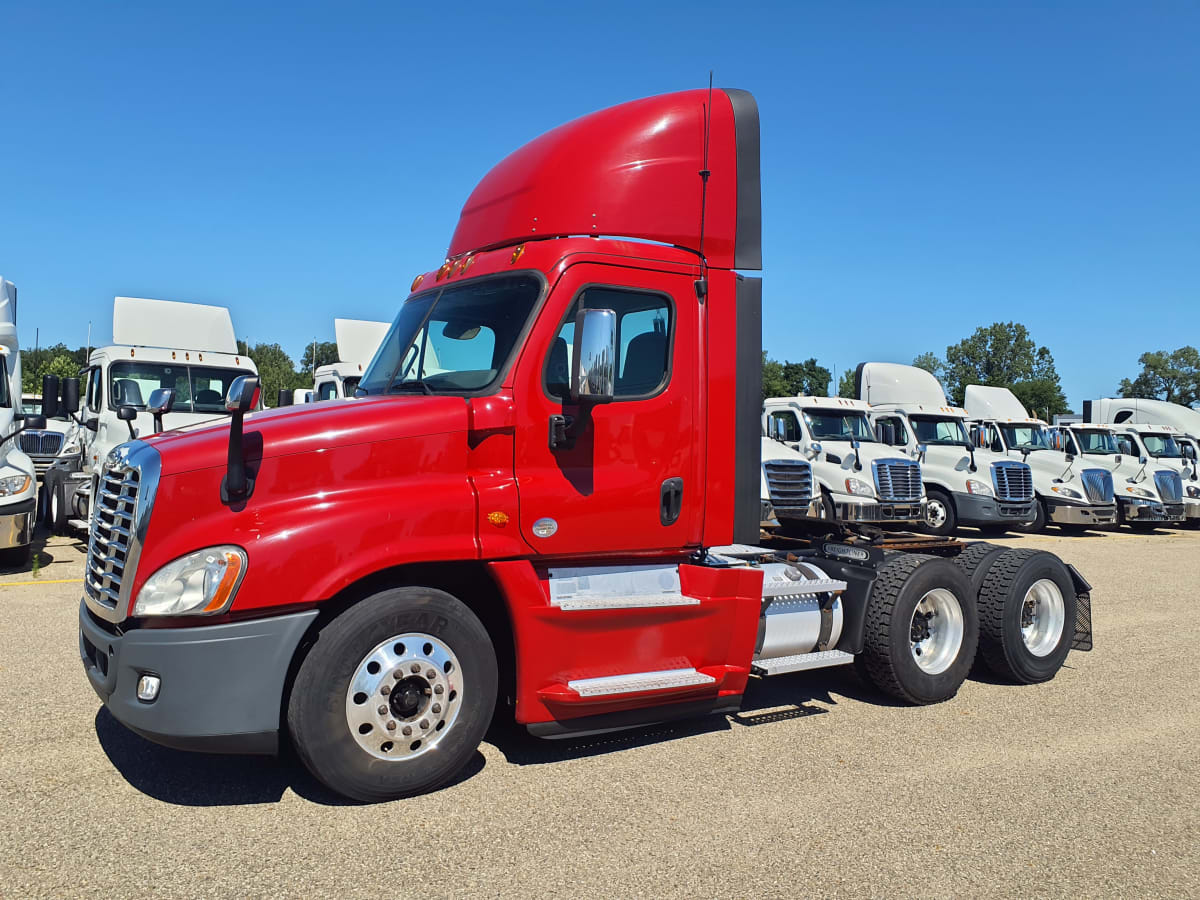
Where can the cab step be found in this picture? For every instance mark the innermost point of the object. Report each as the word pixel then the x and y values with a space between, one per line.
pixel 781 665
pixel 81 524
pixel 637 682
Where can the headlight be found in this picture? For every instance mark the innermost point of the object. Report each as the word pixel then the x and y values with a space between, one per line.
pixel 859 488
pixel 199 584
pixel 1140 492
pixel 1193 491
pixel 978 487
pixel 14 484
pixel 1066 492
pixel 71 447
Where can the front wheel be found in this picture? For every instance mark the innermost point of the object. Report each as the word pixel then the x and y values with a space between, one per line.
pixel 395 696
pixel 922 629
pixel 1039 519
pixel 940 517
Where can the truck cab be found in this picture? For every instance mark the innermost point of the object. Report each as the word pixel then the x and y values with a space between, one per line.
pixel 1159 445
pixel 963 485
pixel 357 341
pixel 1143 498
pixel 60 441
pixel 1068 494
pixel 186 348
pixel 18 477
pixel 857 478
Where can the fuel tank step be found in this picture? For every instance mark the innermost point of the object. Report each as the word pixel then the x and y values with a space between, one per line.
pixel 639 681
pixel 616 587
pixel 781 665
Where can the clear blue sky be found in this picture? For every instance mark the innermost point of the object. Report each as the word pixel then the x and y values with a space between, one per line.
pixel 926 168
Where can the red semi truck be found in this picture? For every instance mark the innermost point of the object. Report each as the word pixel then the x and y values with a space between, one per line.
pixel 544 494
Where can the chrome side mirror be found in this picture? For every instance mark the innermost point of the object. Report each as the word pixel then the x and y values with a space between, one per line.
pixel 1143 460
pixel 162 400
pixel 779 430
pixel 921 450
pixel 815 448
pixel 593 366
pixel 243 394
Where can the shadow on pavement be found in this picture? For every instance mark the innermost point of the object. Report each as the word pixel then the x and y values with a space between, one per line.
pixel 209 779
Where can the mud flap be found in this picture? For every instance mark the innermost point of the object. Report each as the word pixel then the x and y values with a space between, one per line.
pixel 1083 611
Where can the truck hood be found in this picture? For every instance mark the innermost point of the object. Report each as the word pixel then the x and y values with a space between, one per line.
pixel 311 428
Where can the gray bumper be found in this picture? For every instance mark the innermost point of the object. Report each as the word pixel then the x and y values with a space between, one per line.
pixel 879 511
pixel 973 509
pixel 16 524
pixel 771 514
pixel 222 685
pixel 1191 509
pixel 1139 510
pixel 1079 514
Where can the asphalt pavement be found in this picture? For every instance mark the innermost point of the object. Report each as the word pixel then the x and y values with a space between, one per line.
pixel 1083 786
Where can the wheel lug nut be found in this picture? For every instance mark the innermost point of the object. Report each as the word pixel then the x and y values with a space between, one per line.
pixel 437 708
pixel 382 710
pixel 416 667
pixel 424 724
pixel 397 674
pixel 407 730
pixel 391 726
pixel 431 674
pixel 438 689
pixel 385 690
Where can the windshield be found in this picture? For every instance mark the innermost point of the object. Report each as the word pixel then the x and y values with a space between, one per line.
pixel 826 425
pixel 199 389
pixel 939 430
pixel 1025 437
pixel 1097 441
pixel 454 340
pixel 1162 446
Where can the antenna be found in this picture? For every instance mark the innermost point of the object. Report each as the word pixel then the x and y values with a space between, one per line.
pixel 702 283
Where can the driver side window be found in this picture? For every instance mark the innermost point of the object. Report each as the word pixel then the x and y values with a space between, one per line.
pixel 784 425
pixel 94 390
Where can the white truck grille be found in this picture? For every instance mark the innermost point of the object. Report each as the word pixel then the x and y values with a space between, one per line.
pixel 790 484
pixel 897 480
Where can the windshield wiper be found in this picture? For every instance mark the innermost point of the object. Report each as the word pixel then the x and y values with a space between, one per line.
pixel 416 382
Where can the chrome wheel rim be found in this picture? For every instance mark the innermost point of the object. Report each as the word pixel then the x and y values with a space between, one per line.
pixel 1043 617
pixel 404 696
pixel 53 508
pixel 936 631
pixel 935 513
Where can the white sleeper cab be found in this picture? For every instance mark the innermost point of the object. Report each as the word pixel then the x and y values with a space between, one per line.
pixel 856 478
pixel 963 485
pixel 18 478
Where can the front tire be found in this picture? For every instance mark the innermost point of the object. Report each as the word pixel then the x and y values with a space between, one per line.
pixel 395 696
pixel 922 629
pixel 1026 616
pixel 1039 519
pixel 940 516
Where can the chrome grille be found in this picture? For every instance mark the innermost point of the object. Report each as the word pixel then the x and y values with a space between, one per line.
pixel 1013 481
pixel 41 443
pixel 790 484
pixel 897 480
pixel 111 534
pixel 1170 486
pixel 1099 485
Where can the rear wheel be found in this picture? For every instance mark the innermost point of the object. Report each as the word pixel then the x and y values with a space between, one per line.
pixel 921 630
pixel 976 560
pixel 1026 616
pixel 395 696
pixel 940 516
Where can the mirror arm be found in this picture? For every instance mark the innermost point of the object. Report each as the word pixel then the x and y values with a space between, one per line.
pixel 971 454
pixel 235 485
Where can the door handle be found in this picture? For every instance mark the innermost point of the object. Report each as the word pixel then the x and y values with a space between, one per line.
pixel 670 501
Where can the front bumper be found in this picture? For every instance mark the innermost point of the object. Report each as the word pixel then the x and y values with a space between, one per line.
pixel 1191 508
pixel 222 685
pixel 771 515
pixel 1136 509
pixel 975 509
pixel 862 510
pixel 16 523
pixel 1080 514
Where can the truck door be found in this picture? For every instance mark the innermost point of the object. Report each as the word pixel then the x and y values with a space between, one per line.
pixel 627 477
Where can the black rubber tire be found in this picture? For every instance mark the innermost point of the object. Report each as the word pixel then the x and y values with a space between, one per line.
pixel 16 557
pixel 316 706
pixel 887 659
pixel 994 530
pixel 57 523
pixel 1039 519
pixel 1000 602
pixel 951 521
pixel 976 560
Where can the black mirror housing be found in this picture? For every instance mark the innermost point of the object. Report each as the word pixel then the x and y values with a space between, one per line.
pixel 126 413
pixel 35 422
pixel 285 397
pixel 50 407
pixel 70 396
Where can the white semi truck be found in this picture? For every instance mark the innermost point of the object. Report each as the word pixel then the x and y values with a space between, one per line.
pixel 186 348
pixel 60 440
pixel 1068 494
pixel 18 478
pixel 1145 497
pixel 963 485
pixel 855 478
pixel 357 341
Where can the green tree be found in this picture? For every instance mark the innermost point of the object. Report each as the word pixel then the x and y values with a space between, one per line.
pixel 326 354
pixel 1004 354
pixel 846 385
pixel 773 384
pixel 807 378
pixel 930 363
pixel 1172 376
pixel 54 360
pixel 276 371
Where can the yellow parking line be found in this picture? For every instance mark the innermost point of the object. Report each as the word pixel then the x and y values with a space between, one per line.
pixel 41 581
